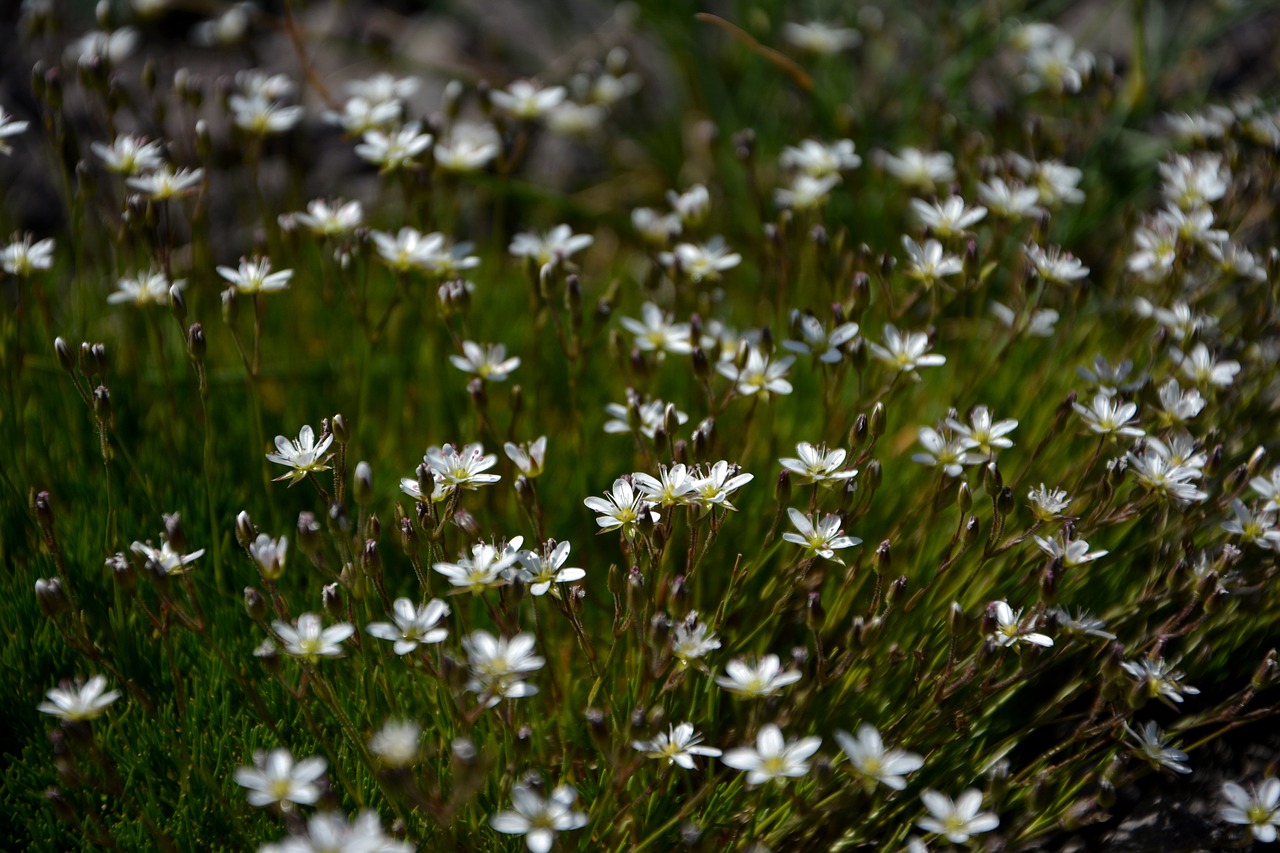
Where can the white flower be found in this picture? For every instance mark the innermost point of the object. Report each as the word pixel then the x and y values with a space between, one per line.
pixel 165 183
pixel 817 341
pixel 78 702
pixel 772 757
pixel 760 375
pixel 269 554
pixel 304 455
pixel 256 82
pixel 309 639
pixel 1081 624
pixel 254 276
pixel 1150 746
pixel 1193 181
pixel 1268 487
pixel 462 469
pixel 1048 504
pixel 1009 200
pixel 22 257
pixel 806 192
pixel 383 87
pixel 1009 628
pixel 550 250
pixel 9 126
pixel 958 819
pixel 981 434
pixel 413 626
pixel 261 115
pixel 944 450
pixel 469 148
pixel 165 560
pixel 539 820
pixel 657 333
pixel 818 159
pixel 360 115
pixel 109 48
pixel 1056 182
pixel 1106 416
pixel 701 263
pixel 486 567
pixel 720 481
pixel 129 155
pixel 673 486
pixel 648 416
pixel 819 38
pixel 573 119
pixel 950 217
pixel 1157 250
pixel 677 746
pixel 1178 406
pixel 906 351
pixel 1040 323
pixel 874 762
pixel 1256 527
pixel 529 458
pixel 692 639
pixel 498 666
pixel 1072 552
pixel 756 679
pixel 1166 478
pixel 149 288
pixel 620 508
pixel 817 464
pixel 488 361
pixel 396 148
pixel 1257 808
pixel 526 99
pixel 656 228
pixel 919 169
pixel 692 205
pixel 1054 265
pixel 819 538
pixel 275 779
pixel 1160 679
pixel 327 219
pixel 1202 368
pixel 927 264
pixel 333 833
pixel 396 743
pixel 540 571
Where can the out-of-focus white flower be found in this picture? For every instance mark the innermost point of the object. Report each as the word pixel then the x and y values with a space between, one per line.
pixel 656 333
pixel 1055 266
pixel 944 450
pixel 958 820
pixel 981 433
pixel 129 155
pixel 9 126
pixel 165 183
pixel 760 375
pixel 530 458
pixel 412 626
pixel 396 743
pixel 919 169
pixel 873 762
pixel 772 757
pixel 110 48
pixel 527 100
pixel 331 219
pixel 821 39
pixel 469 148
pixel 489 362
pixel 276 779
pixel 1257 808
pixel 538 819
pixel 499 665
pixel 77 701
pixel 701 263
pixel 906 351
pixel 928 264
pixel 950 217
pixel 1009 200
pixel 1151 745
pixel 1108 416
pixel 309 639
pixel 806 192
pixel 551 249
pixel 254 276
pixel 394 149
pixel 1072 552
pixel 820 160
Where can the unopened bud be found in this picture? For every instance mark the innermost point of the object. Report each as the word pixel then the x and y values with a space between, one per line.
pixel 245 531
pixel 884 557
pixel 308 533
pixel 782 487
pixel 43 508
pixel 479 395
pixel 872 475
pixel 196 343
pixel 409 537
pixel 341 432
pixel 174 533
pixel 102 405
pixel 1005 501
pixel 971 531
pixel 992 481
pixel 877 420
pixel 859 431
pixel 1266 672
pixel 363 488
pixel 331 597
pixel 525 494
pixel 50 596
pixel 178 303
pixel 955 618
pixel 895 591
pixel 254 604
pixel 964 497
pixel 645 523
pixel 66 358
pixel 467 523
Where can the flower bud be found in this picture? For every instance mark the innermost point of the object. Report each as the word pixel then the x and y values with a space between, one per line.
pixel 1005 501
pixel 877 420
pixel 782 487
pixel 645 523
pixel 955 618
pixel 341 432
pixel 51 597
pixel 1266 672
pixel 992 481
pixel 859 431
pixel 525 493
pixel 254 604
pixel 331 598
pixel 339 521
pixel 174 533
pixel 245 531
pixel 971 531
pixel 65 357
pixel 122 572
pixel 308 533
pixel 964 498
pixel 409 537
pixel 363 485
pixel 196 343
pixel 43 508
pixel 884 557
pixel 895 591
pixel 178 303
pixel 230 306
